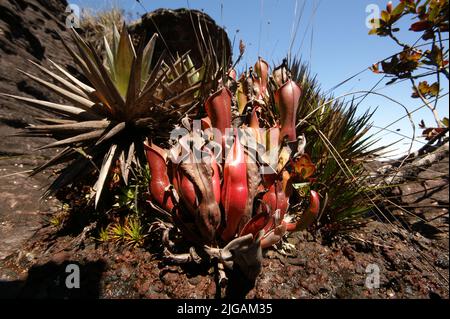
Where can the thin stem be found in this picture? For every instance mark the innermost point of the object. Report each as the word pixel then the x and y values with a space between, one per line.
pixel 428 104
pixel 441 45
pixel 393 37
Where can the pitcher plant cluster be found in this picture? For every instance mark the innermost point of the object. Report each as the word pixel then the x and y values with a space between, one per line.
pixel 228 178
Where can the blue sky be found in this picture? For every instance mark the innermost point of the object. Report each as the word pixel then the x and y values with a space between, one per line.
pixel 332 37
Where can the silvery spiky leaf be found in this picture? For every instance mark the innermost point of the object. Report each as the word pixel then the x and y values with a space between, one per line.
pixel 131 95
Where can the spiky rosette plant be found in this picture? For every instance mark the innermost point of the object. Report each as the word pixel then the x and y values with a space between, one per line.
pixel 130 95
pixel 340 146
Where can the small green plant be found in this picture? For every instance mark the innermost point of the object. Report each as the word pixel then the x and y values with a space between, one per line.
pixel 135 234
pixel 58 219
pixel 103 235
pixel 130 232
pixel 126 197
pixel 117 232
pixel 132 195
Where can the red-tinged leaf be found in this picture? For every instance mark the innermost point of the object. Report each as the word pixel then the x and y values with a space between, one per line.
pixel 232 74
pixel 389 7
pixel 218 108
pixel 185 189
pixel 276 200
pixel 430 133
pixel 273 236
pixel 421 26
pixel 262 69
pixel 375 68
pixel 444 27
pixel 234 189
pixel 304 167
pixel 311 213
pixel 287 100
pixel 257 223
pixel 159 182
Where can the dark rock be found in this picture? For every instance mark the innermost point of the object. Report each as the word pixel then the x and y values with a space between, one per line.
pixel 23 37
pixel 442 262
pixel 60 257
pixel 411 192
pixel 349 253
pixel 195 280
pixel 441 196
pixel 181 33
pixel 437 170
pixel 299 261
pixel 433 184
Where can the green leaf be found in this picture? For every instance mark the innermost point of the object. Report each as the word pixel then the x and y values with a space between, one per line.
pixel 193 77
pixel 115 40
pixel 95 71
pixel 123 61
pixel 147 57
pixel 434 89
pixel 399 9
pixel 434 12
pixel 373 31
pixel 445 121
pixel 385 16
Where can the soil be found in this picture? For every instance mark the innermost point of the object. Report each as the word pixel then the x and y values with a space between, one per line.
pixel 409 265
pixel 411 254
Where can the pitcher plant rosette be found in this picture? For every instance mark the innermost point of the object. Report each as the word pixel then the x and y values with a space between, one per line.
pixel 237 180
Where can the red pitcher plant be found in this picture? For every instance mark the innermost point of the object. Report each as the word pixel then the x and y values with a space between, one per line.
pixel 230 189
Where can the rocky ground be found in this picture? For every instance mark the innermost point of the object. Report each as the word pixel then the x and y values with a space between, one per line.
pixel 412 258
pixel 28 31
pixel 410 266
